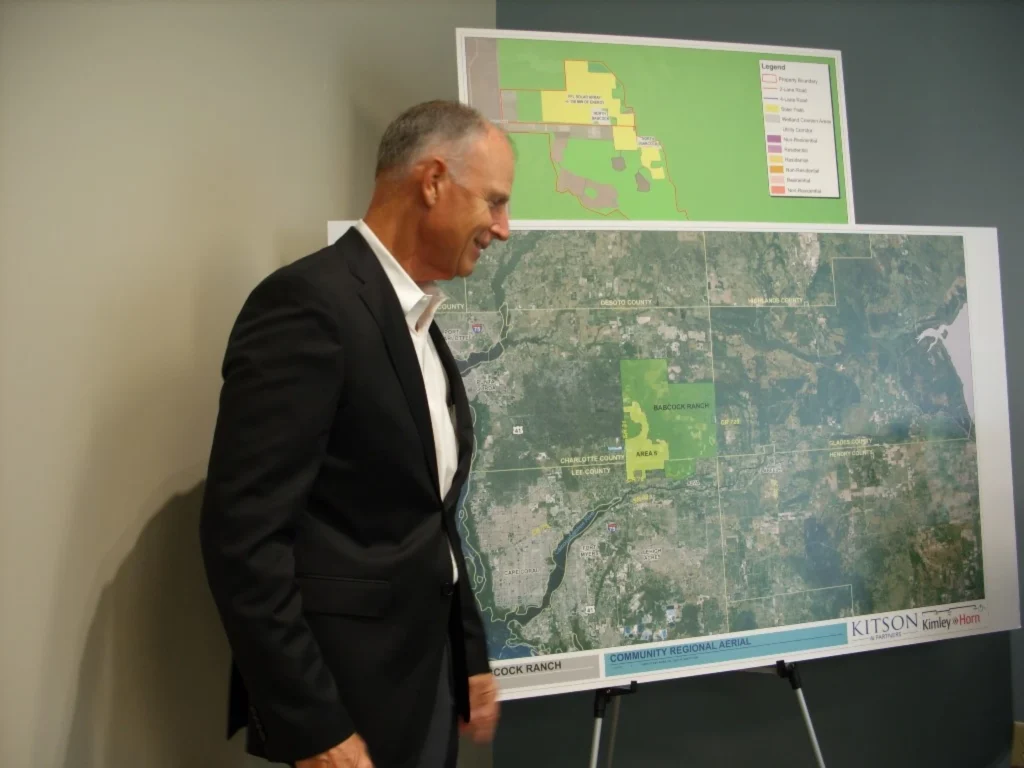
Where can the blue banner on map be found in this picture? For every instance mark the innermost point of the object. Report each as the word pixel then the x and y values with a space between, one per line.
pixel 700 652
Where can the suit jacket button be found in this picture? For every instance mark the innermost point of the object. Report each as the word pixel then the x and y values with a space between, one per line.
pixel 447 589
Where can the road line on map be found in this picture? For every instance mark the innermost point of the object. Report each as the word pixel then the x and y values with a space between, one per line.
pixel 725 456
pixel 721 528
pixel 637 309
pixel 572 309
pixel 833 261
pixel 718 465
pixel 707 297
pixel 819 450
pixel 835 291
pixel 790 594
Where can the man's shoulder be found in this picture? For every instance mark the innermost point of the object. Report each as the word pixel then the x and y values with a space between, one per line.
pixel 325 273
pixel 329 264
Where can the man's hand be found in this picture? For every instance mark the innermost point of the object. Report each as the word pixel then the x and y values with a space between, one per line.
pixel 483 708
pixel 351 753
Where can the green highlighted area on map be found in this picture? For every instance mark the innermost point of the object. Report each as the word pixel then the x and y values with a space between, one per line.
pixel 666 426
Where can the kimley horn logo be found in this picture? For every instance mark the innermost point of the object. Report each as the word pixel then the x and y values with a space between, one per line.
pixel 950 619
pixel 905 623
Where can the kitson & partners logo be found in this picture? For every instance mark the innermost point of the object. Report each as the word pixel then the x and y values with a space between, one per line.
pixel 885 627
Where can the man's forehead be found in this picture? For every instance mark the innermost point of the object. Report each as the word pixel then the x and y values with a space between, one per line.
pixel 491 156
pixel 492 141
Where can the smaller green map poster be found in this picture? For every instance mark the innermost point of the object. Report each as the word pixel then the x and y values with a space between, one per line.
pixel 628 128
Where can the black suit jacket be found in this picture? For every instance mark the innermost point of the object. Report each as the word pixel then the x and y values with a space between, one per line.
pixel 324 533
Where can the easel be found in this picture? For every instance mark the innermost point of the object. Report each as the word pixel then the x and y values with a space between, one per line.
pixel 789 671
pixel 604 695
pixel 601 698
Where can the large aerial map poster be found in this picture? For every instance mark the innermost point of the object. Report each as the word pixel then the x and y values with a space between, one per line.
pixel 628 128
pixel 709 448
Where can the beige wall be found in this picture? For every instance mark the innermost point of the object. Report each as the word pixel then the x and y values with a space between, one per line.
pixel 156 160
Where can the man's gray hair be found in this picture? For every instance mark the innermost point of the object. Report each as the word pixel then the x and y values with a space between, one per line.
pixel 424 126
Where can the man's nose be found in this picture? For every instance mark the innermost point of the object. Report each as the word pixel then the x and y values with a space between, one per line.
pixel 500 228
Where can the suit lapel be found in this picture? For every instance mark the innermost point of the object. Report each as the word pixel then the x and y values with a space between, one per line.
pixel 463 415
pixel 379 298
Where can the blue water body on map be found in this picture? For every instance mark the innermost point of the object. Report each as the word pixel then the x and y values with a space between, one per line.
pixel 498 631
pixel 956 338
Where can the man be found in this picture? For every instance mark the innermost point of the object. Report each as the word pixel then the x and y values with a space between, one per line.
pixel 342 445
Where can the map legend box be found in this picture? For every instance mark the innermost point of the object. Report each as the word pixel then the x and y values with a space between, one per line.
pixel 799 126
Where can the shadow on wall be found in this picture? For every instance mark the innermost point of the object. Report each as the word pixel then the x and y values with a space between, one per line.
pixel 152 688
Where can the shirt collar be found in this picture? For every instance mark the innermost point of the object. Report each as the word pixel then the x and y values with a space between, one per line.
pixel 420 301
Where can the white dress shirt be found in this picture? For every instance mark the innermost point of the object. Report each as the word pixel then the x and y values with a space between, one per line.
pixel 419 303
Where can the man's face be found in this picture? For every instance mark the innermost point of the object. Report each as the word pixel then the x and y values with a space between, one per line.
pixel 472 206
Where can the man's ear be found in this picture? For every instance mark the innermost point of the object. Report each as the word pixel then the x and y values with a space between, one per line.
pixel 432 175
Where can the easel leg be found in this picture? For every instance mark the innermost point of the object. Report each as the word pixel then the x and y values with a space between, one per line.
pixel 616 706
pixel 789 671
pixel 595 745
pixel 601 699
